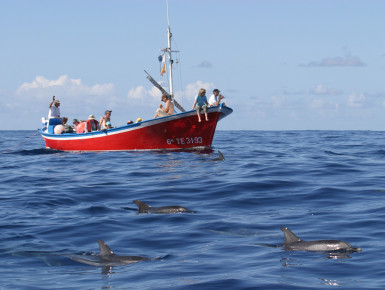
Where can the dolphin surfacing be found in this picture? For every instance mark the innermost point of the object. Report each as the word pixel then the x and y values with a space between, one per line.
pixel 145 208
pixel 106 257
pixel 220 157
pixel 293 243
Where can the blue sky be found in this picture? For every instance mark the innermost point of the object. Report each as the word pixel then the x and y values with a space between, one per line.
pixel 282 65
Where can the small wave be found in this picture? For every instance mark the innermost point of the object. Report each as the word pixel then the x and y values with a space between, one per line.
pixel 41 151
pixel 332 153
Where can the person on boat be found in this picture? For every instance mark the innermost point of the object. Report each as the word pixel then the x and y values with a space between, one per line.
pixel 201 103
pixel 103 120
pixel 54 110
pixel 79 126
pixel 92 124
pixel 216 98
pixel 61 128
pixel 108 125
pixel 167 110
pixel 67 128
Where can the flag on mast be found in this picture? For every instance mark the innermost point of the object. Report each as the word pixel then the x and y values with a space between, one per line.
pixel 163 70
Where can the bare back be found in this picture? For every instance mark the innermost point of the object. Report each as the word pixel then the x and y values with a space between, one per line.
pixel 169 108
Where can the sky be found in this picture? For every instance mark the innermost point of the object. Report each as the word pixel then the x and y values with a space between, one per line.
pixel 281 64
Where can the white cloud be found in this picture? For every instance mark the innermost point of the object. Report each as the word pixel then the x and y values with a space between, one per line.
pixel 347 60
pixel 184 97
pixel 356 100
pixel 317 104
pixel 31 99
pixel 192 89
pixel 322 90
pixel 278 101
pixel 42 87
pixel 137 93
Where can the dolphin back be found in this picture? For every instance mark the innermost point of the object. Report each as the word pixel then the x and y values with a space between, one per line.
pixel 293 243
pixel 170 209
pixel 290 237
pixel 142 207
pixel 104 249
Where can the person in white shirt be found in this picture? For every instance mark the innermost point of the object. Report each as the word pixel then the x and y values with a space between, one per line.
pixel 54 110
pixel 215 98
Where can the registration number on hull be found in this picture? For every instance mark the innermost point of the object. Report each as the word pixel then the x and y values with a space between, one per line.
pixel 183 141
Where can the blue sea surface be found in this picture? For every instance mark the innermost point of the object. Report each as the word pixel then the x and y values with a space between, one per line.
pixel 319 184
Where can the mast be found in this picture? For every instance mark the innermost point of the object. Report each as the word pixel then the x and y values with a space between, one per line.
pixel 170 63
pixel 170 60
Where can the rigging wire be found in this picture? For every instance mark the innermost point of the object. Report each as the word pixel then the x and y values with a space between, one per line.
pixel 21 142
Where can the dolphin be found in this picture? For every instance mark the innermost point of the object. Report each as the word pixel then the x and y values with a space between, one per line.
pixel 293 243
pixel 145 208
pixel 220 158
pixel 106 257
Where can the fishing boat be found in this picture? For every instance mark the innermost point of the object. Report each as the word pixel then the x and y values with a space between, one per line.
pixel 178 131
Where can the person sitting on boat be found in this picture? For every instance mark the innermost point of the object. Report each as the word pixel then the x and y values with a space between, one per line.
pixel 92 124
pixel 61 128
pixel 54 110
pixel 103 120
pixel 79 126
pixel 167 110
pixel 216 98
pixel 108 125
pixel 201 103
pixel 67 128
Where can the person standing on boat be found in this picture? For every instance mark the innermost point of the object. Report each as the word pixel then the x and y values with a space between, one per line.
pixel 167 110
pixel 103 120
pixel 201 103
pixel 216 98
pixel 54 110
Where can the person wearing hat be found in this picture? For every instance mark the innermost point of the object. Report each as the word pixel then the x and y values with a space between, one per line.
pixel 92 124
pixel 54 111
pixel 215 98
pixel 106 118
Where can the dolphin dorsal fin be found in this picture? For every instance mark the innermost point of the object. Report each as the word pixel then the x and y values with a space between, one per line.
pixel 104 249
pixel 221 157
pixel 290 237
pixel 142 205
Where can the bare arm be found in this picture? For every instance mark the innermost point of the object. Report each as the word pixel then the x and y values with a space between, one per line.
pixel 53 100
pixel 167 107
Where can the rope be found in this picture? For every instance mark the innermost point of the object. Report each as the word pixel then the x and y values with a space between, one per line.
pixel 20 143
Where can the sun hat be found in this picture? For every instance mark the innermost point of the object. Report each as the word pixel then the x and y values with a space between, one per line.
pixel 91 117
pixel 107 111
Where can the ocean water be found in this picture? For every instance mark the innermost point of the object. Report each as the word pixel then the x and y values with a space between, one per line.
pixel 320 184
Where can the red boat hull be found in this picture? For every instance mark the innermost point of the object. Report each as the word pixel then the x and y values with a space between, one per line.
pixel 180 131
